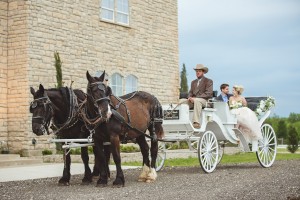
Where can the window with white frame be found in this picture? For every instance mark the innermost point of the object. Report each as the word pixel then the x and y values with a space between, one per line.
pixel 117 84
pixel 115 11
pixel 131 83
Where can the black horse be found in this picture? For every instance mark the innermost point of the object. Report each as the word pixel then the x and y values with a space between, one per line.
pixel 127 118
pixel 61 106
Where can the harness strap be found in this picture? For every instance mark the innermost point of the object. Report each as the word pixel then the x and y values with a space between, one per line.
pixel 119 117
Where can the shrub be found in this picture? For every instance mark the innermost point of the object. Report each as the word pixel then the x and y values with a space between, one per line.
pixel 129 149
pixel 293 139
pixel 46 152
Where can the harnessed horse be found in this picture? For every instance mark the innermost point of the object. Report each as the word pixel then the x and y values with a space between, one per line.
pixel 61 106
pixel 127 118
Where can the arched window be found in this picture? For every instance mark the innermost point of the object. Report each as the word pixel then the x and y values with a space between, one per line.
pixel 117 84
pixel 131 84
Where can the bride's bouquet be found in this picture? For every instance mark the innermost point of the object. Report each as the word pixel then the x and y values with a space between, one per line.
pixel 265 105
pixel 235 104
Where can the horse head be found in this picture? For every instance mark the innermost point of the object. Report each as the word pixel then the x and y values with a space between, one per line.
pixel 41 110
pixel 98 92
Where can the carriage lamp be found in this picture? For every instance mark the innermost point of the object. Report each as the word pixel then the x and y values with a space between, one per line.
pixel 33 141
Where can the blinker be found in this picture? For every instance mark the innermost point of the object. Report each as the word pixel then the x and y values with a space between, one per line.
pixel 33 104
pixel 101 87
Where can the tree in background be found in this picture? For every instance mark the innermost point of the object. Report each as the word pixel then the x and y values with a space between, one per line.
pixel 293 139
pixel 183 80
pixel 59 81
pixel 282 130
pixel 293 117
pixel 58 65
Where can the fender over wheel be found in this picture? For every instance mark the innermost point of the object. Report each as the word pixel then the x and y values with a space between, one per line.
pixel 208 152
pixel 267 146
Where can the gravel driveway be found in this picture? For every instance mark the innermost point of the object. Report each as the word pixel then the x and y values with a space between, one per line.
pixel 230 181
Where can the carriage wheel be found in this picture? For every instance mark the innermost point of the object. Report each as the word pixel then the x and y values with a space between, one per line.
pixel 208 151
pixel 221 151
pixel 266 152
pixel 161 156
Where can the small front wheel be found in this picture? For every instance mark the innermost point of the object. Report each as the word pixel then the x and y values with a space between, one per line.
pixel 208 152
pixel 267 146
pixel 161 156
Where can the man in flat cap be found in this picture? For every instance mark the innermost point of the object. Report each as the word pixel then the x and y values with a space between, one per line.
pixel 201 90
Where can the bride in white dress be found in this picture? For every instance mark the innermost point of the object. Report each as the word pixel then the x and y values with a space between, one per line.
pixel 247 121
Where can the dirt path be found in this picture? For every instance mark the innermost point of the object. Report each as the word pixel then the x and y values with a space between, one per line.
pixel 235 181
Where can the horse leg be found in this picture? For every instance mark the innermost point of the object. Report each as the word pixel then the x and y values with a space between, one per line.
pixel 65 179
pixel 107 158
pixel 87 171
pixel 144 147
pixel 115 148
pixel 154 150
pixel 96 170
pixel 102 182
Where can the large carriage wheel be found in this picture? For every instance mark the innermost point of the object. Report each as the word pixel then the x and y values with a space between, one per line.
pixel 221 151
pixel 208 151
pixel 266 152
pixel 161 156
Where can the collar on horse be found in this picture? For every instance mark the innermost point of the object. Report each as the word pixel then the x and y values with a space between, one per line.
pixel 72 117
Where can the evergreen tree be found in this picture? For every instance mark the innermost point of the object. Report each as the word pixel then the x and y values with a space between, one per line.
pixel 282 130
pixel 58 65
pixel 293 139
pixel 183 80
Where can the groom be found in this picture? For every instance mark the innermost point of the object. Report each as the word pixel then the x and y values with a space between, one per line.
pixel 224 96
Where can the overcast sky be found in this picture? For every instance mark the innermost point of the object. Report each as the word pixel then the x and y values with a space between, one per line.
pixel 254 43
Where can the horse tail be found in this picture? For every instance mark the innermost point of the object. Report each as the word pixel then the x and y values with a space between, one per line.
pixel 157 117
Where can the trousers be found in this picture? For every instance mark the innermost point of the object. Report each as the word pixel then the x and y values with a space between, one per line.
pixel 198 104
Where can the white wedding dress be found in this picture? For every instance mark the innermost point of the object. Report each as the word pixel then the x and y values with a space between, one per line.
pixel 247 123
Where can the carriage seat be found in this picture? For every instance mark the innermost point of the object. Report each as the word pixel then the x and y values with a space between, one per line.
pixel 253 102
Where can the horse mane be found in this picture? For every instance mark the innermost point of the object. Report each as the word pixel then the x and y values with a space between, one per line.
pixel 136 94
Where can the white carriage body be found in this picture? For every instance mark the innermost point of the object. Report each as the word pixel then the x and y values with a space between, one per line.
pixel 219 120
pixel 218 126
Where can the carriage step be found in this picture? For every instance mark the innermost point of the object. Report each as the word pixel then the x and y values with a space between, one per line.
pixel 7 160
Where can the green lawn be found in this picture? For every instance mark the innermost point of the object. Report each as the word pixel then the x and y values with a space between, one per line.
pixel 236 158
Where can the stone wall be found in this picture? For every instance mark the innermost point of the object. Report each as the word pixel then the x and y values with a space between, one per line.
pixel 147 48
pixel 3 71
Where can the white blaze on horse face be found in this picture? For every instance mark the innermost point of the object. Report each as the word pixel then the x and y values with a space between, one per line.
pixel 109 113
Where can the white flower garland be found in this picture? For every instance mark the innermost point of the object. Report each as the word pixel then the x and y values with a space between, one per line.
pixel 265 105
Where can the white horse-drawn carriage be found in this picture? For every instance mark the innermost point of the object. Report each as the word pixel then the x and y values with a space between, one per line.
pixel 218 126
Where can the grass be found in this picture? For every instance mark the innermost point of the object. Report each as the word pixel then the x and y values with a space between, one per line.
pixel 235 158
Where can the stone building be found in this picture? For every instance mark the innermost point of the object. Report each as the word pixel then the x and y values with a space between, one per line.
pixel 135 41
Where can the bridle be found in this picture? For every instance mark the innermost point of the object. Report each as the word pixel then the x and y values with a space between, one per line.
pixel 102 87
pixel 48 113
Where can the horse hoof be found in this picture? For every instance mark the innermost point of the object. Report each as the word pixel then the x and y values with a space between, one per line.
pixel 142 180
pixel 149 181
pixel 118 185
pixel 86 181
pixel 101 185
pixel 63 183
